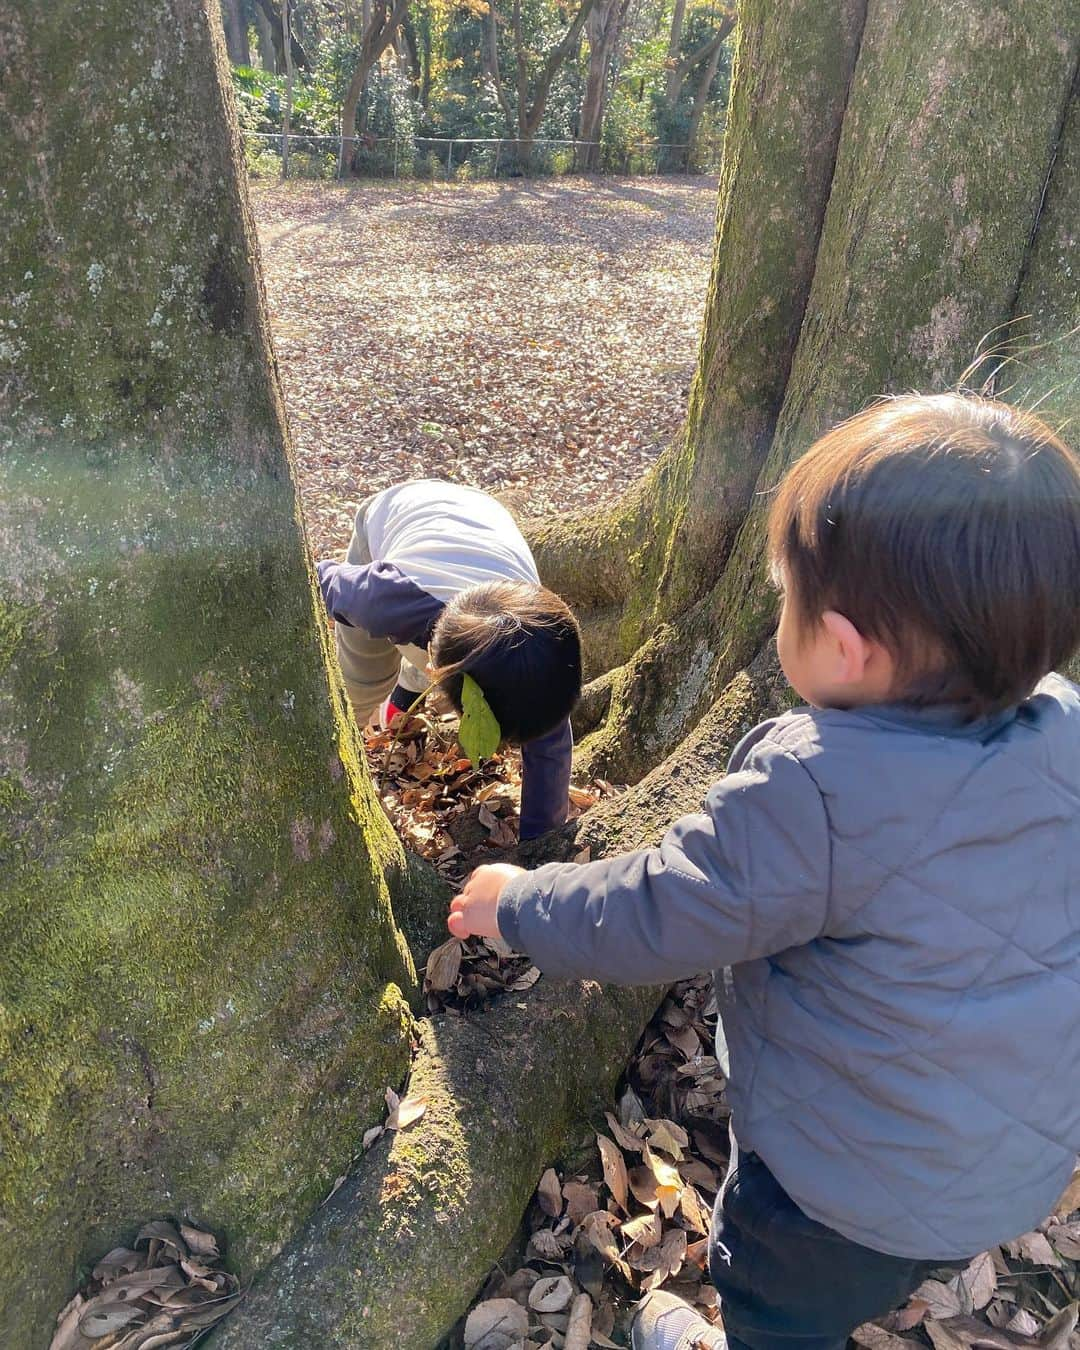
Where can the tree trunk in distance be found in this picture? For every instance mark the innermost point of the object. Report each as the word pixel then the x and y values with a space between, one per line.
pixel 678 14
pixel 601 29
pixel 268 56
pixel 286 121
pixel 236 33
pixel 378 33
pixel 205 994
pixel 701 99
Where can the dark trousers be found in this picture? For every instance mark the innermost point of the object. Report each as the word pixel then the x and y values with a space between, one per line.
pixel 787 1282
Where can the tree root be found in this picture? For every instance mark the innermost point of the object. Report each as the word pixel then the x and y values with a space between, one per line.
pixel 395 1255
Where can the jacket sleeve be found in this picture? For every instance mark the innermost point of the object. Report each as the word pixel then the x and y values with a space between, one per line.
pixel 747 878
pixel 545 781
pixel 379 598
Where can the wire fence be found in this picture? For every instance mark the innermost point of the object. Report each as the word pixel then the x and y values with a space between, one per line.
pixel 459 159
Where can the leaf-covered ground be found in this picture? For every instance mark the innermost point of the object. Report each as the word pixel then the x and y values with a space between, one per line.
pixel 536 336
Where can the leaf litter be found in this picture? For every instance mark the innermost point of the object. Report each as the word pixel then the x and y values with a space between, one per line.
pixel 168 1288
pixel 537 338
pixel 635 1217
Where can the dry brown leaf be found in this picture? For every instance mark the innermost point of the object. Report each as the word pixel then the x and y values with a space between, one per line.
pixel 940 1300
pixel 877 1338
pixel 199 1243
pixel 443 966
pixel 369 1137
pixel 1065 1239
pixel 579 1327
pixel 614 1171
pixel 669 1184
pixel 1033 1247
pixel 642 1185
pixel 404 1111
pixel 671 1256
pixel 980 1280
pixel 525 981
pixel 1058 1331
pixel 1069 1201
pixel 645 1229
pixel 549 1193
pixel 626 1139
pixel 1023 1323
pixel 911 1314
pixel 668 1137
pixel 498 1324
pixel 551 1294
pixel 580 1200
pixel 693 1211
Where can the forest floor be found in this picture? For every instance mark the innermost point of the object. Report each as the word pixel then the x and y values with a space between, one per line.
pixel 537 336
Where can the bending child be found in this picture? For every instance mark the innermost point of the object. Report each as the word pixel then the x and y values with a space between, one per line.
pixel 438 575
pixel 889 879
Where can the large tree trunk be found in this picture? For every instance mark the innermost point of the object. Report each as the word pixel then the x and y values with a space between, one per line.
pixel 932 157
pixel 203 994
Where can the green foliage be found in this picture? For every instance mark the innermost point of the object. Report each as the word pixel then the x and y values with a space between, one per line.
pixel 480 733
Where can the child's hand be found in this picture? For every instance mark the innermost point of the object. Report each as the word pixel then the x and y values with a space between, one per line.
pixel 474 913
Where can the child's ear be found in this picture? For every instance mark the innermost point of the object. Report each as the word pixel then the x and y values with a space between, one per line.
pixel 851 653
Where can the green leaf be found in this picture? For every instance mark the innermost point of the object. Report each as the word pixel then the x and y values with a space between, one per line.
pixel 479 733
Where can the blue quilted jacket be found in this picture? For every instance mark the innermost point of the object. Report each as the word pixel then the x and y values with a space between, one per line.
pixel 894 896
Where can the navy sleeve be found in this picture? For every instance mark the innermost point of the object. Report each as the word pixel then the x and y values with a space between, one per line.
pixel 545 781
pixel 379 598
pixel 747 878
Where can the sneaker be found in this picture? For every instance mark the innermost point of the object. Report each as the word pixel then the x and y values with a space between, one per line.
pixel 664 1322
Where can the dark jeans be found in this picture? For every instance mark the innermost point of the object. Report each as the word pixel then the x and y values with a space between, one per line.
pixel 787 1282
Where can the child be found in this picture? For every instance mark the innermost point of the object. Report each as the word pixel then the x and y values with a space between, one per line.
pixel 891 877
pixel 440 573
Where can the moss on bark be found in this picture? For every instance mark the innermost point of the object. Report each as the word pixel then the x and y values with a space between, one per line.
pixel 662 547
pixel 203 994
pixel 939 177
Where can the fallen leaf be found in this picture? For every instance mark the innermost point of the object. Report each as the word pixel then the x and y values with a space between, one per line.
pixel 877 1338
pixel 580 1200
pixel 549 1193
pixel 1034 1247
pixel 667 1136
pixel 614 1171
pixel 443 966
pixel 980 1280
pixel 525 981
pixel 579 1327
pixel 1070 1197
pixel 1058 1331
pixel 551 1294
pixel 498 1324
pixel 940 1300
pixel 645 1229
pixel 405 1112
pixel 1023 1323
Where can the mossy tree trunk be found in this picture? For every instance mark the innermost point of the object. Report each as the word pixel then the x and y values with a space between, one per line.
pixel 890 172
pixel 203 993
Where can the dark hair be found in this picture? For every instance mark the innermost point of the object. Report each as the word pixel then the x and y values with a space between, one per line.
pixel 947 528
pixel 521 645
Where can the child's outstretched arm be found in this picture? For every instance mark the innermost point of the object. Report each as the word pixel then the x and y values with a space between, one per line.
pixel 748 878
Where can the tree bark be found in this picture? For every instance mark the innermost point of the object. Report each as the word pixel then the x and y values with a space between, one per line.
pixel 236 33
pixel 394 1256
pixel 939 173
pixel 379 30
pixel 678 15
pixel 205 990
pixel 602 28
pixel 268 55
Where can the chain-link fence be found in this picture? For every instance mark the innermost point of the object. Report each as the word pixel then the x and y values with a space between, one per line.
pixel 460 159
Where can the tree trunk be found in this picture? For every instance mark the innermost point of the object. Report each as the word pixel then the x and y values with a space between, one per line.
pixel 678 15
pixel 272 15
pixel 236 33
pixel 701 99
pixel 532 93
pixel 932 158
pixel 379 29
pixel 268 55
pixel 286 121
pixel 205 993
pixel 601 29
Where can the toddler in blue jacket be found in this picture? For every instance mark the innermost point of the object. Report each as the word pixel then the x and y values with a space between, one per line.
pixel 439 583
pixel 887 881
